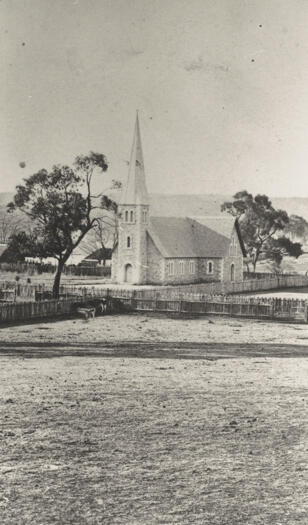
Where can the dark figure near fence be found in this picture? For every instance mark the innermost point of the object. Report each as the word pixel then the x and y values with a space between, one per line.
pixel 92 308
pixel 86 313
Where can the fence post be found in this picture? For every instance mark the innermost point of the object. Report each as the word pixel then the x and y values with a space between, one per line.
pixel 156 300
pixel 133 302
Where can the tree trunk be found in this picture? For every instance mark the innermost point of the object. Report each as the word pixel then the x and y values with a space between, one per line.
pixel 56 284
pixel 255 259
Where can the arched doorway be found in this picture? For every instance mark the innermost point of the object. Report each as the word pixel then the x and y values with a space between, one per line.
pixel 128 273
pixel 232 272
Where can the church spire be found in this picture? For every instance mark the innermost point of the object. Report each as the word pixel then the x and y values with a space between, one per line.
pixel 135 190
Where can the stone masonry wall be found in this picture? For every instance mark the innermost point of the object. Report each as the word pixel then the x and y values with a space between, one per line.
pixel 203 269
pixel 155 272
pixel 181 278
pixel 234 256
pixel 136 254
pixel 238 268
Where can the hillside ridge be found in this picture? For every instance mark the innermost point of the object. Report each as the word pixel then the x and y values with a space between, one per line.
pixel 163 204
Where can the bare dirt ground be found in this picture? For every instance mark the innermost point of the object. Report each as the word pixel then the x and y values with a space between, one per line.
pixel 136 328
pixel 143 420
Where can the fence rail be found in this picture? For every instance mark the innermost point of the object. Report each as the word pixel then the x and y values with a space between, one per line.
pixel 52 308
pixel 283 309
pixel 214 298
pixel 235 306
pixel 191 291
pixel 38 269
pixel 265 275
pixel 25 311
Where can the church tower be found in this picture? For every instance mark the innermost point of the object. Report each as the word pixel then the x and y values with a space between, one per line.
pixel 133 219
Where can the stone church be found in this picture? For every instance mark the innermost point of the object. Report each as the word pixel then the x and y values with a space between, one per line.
pixel 171 250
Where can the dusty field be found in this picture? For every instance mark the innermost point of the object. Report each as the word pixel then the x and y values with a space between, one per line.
pixel 72 334
pixel 137 420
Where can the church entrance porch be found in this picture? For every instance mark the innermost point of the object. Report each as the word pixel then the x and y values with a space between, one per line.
pixel 128 273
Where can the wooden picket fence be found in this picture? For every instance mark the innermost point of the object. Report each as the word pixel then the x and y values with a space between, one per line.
pixel 10 289
pixel 25 311
pixel 207 298
pixel 53 308
pixel 233 306
pixel 195 304
pixel 272 282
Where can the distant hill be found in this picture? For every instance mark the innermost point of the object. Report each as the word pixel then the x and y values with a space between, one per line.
pixel 5 198
pixel 293 205
pixel 182 205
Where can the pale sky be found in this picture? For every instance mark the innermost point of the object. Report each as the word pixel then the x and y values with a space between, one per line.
pixel 221 87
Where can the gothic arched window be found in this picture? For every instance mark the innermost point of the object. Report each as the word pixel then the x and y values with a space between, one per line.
pixel 128 241
pixel 131 216
pixel 126 216
pixel 210 267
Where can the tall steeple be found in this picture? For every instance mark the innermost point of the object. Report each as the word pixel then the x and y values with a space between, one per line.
pixel 135 190
pixel 131 261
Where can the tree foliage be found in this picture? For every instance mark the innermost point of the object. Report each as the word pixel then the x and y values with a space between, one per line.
pixel 297 228
pixel 19 247
pixel 277 248
pixel 62 207
pixel 11 223
pixel 261 227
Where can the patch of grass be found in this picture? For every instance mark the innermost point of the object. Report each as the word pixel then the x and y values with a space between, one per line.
pixel 90 440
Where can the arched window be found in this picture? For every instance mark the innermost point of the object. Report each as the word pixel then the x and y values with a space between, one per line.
pixel 144 216
pixel 233 246
pixel 170 268
pixel 128 241
pixel 210 267
pixel 131 216
pixel 232 272
pixel 126 216
pixel 192 267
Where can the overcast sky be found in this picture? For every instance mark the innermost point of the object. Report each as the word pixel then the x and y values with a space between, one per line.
pixel 221 87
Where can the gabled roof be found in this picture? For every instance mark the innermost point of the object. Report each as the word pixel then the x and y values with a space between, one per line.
pixel 221 224
pixel 3 247
pixel 99 254
pixel 135 191
pixel 188 237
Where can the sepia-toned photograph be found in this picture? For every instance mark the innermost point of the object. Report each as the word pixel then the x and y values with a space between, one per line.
pixel 154 262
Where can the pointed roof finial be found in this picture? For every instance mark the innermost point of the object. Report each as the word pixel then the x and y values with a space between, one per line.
pixel 135 190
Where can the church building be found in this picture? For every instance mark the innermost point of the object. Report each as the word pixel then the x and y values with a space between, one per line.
pixel 171 250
